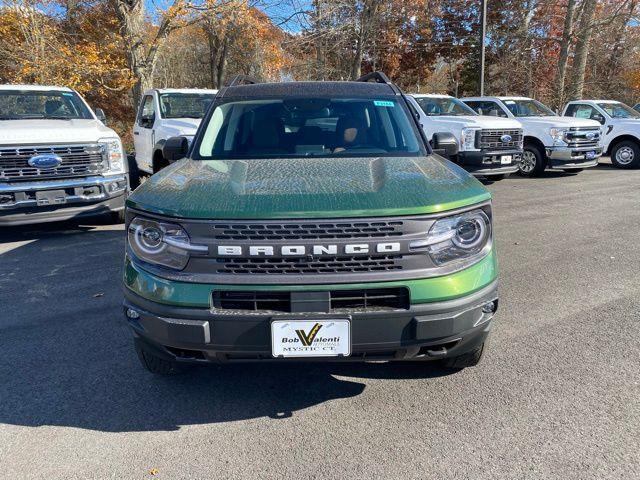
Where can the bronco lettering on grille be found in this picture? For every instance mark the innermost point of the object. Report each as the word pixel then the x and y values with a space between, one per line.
pixel 315 250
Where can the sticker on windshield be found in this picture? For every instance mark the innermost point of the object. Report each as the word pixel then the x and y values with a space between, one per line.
pixel 510 102
pixel 383 103
pixel 67 94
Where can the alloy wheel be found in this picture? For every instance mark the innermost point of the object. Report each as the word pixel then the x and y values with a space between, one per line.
pixel 528 161
pixel 625 155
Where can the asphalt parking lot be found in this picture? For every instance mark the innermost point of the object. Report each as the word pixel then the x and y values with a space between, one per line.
pixel 556 396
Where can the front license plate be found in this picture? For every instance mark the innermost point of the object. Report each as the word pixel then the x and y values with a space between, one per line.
pixel 51 197
pixel 590 155
pixel 311 338
pixel 506 159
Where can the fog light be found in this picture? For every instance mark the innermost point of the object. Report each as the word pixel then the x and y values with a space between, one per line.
pixel 489 307
pixel 131 313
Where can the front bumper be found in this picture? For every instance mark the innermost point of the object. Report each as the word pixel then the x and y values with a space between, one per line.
pixel 572 157
pixel 426 331
pixel 24 202
pixel 485 163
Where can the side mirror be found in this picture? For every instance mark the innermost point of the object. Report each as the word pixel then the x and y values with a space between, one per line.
pixel 100 115
pixel 175 148
pixel 445 144
pixel 599 118
pixel 147 122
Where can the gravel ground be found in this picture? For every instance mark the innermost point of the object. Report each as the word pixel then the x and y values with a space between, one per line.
pixel 556 396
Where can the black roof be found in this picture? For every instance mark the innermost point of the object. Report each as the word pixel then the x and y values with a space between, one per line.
pixel 310 89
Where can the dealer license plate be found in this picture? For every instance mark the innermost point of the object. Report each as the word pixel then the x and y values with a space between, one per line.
pixel 311 338
pixel 506 159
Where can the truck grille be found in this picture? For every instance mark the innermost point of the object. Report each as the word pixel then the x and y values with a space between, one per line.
pixel 310 231
pixel 77 160
pixel 493 139
pixel 333 301
pixel 301 266
pixel 578 137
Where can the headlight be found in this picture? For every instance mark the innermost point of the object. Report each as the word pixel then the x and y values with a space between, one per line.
pixel 468 139
pixel 161 243
pixel 460 237
pixel 558 134
pixel 114 154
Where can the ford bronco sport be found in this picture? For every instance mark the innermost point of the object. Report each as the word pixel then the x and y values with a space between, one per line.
pixel 309 221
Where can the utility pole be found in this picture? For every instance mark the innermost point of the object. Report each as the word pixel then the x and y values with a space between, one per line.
pixel 483 35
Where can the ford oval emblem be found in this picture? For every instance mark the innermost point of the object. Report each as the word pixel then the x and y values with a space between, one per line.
pixel 506 138
pixel 591 136
pixel 45 161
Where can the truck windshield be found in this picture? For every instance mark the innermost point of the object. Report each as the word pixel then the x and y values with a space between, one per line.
pixel 49 104
pixel 294 127
pixel 619 110
pixel 185 105
pixel 528 108
pixel 435 106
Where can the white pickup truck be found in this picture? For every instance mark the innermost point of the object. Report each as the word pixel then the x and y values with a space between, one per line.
pixel 58 160
pixel 621 125
pixel 165 113
pixel 487 146
pixel 550 141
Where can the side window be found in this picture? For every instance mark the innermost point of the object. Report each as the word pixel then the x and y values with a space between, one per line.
pixel 583 111
pixel 146 116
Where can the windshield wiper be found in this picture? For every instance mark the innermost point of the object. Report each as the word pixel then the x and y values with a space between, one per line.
pixel 56 117
pixel 9 117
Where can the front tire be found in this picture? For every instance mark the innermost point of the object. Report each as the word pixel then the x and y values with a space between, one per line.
pixel 626 154
pixel 469 359
pixel 533 161
pixel 155 364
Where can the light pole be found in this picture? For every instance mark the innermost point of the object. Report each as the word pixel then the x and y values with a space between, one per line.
pixel 483 34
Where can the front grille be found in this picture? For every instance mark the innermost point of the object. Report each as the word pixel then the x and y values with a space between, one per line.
pixel 337 301
pixel 577 137
pixel 310 231
pixel 491 139
pixel 77 160
pixel 302 266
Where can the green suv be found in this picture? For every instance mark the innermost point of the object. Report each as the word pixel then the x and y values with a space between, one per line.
pixel 309 221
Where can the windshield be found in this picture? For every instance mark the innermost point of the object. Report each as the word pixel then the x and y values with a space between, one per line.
pixel 185 105
pixel 619 110
pixel 434 106
pixel 528 108
pixel 294 127
pixel 29 104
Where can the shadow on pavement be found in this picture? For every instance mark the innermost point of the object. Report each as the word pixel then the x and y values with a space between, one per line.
pixel 68 358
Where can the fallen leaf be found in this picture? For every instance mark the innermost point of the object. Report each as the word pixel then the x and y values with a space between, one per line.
pixel 154 471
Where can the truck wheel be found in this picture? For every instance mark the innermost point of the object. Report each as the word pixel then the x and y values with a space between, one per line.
pixel 532 162
pixel 626 154
pixel 469 359
pixel 153 363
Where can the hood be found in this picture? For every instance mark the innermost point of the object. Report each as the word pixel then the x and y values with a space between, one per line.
pixel 308 188
pixel 481 121
pixel 559 122
pixel 181 126
pixel 40 131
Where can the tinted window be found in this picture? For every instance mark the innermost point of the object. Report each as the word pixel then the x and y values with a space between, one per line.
pixel 435 106
pixel 619 110
pixel 28 104
pixel 184 105
pixel 489 108
pixel 309 127
pixel 528 108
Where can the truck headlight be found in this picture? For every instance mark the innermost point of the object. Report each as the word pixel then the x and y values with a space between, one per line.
pixel 459 237
pixel 558 134
pixel 114 153
pixel 161 243
pixel 468 139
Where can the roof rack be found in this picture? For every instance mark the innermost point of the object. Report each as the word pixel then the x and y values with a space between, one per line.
pixel 243 80
pixel 380 77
